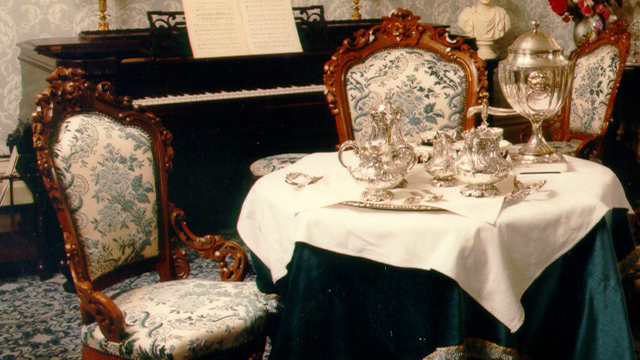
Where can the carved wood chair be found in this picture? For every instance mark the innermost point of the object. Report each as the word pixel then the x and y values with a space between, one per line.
pixel 105 166
pixel 579 128
pixel 432 76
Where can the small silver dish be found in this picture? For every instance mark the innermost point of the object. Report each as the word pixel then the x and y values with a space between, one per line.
pixel 300 180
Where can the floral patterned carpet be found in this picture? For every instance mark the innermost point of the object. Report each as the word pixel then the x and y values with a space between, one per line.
pixel 38 320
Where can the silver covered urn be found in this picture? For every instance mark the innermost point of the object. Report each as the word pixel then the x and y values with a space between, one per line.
pixel 536 80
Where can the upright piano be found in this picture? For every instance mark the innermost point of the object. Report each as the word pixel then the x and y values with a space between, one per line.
pixel 224 113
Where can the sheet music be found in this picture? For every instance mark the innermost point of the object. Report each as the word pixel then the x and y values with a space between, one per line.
pixel 270 26
pixel 240 27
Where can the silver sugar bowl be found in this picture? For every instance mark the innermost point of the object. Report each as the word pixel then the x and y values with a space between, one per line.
pixel 481 165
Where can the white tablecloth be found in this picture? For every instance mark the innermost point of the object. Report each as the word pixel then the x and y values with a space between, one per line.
pixel 494 262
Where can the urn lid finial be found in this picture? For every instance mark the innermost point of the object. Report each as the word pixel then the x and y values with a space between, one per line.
pixel 535 41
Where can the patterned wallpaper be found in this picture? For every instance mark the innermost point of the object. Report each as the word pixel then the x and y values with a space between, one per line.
pixel 28 19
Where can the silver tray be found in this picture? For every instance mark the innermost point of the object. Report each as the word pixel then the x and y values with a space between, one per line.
pixel 519 191
pixel 391 206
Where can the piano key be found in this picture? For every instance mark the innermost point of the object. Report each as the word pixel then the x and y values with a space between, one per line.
pixel 224 95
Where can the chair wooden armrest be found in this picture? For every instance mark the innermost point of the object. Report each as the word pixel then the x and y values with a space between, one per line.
pixel 213 247
pixel 590 148
pixel 103 310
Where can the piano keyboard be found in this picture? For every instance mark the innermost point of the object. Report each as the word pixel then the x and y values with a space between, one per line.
pixel 223 95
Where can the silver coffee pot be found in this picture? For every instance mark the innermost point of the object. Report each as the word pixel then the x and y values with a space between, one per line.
pixel 384 158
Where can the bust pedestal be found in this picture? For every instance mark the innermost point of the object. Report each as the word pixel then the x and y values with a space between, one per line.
pixel 486 49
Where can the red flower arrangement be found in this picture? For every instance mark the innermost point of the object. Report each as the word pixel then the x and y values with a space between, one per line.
pixel 577 10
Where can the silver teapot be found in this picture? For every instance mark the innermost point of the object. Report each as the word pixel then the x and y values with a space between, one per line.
pixel 480 165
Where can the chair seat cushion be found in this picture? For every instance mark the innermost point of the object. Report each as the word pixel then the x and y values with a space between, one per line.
pixel 184 319
pixel 561 147
pixel 269 164
pixel 565 147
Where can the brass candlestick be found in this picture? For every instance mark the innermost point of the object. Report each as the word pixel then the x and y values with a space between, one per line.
pixel 356 10
pixel 102 6
pixel 634 29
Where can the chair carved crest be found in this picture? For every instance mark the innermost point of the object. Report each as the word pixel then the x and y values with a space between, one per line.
pixel 599 65
pixel 402 32
pixel 67 97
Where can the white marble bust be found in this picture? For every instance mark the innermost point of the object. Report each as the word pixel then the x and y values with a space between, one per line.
pixel 486 23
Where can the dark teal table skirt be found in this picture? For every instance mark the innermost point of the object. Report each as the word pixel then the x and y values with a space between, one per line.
pixel 343 307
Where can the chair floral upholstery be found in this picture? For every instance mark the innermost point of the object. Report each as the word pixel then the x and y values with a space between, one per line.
pixel 430 90
pixel 431 75
pixel 593 81
pixel 585 117
pixel 105 167
pixel 106 171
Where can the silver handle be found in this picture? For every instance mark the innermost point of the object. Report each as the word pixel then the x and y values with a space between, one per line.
pixel 485 110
